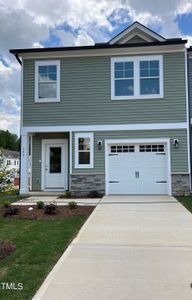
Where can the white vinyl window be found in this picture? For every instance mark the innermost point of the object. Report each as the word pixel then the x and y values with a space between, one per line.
pixel 137 77
pixel 8 162
pixel 47 81
pixel 84 150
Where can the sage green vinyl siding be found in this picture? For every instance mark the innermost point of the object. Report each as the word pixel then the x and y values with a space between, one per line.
pixel 37 153
pixel 179 158
pixel 190 83
pixel 86 95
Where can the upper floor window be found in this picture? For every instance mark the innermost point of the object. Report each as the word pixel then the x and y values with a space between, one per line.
pixel 47 81
pixel 8 162
pixel 137 77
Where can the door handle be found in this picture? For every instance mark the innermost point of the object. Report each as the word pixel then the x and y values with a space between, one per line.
pixel 136 174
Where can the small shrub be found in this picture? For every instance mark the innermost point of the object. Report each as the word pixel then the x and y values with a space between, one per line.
pixel 64 196
pixel 68 194
pixel 6 203
pixel 94 194
pixel 40 204
pixel 10 211
pixel 61 196
pixel 50 209
pixel 72 205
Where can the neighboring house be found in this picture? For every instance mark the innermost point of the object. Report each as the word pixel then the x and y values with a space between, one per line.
pixel 9 159
pixel 112 117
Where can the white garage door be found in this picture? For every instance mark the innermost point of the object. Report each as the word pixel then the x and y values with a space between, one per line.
pixel 137 169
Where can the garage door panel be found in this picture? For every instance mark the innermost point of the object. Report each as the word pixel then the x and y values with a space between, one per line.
pixel 138 172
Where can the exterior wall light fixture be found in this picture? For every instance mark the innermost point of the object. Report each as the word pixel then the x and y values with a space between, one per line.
pixel 176 143
pixel 99 145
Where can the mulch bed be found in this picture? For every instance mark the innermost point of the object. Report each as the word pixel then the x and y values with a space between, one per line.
pixel 39 214
pixel 6 248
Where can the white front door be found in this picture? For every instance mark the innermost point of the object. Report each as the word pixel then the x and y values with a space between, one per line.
pixel 55 165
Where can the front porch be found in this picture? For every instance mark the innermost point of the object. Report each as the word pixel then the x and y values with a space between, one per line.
pixel 45 160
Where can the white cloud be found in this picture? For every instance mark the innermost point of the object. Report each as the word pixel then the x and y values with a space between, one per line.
pixel 18 30
pixel 37 45
pixel 83 39
pixel 9 122
pixel 66 38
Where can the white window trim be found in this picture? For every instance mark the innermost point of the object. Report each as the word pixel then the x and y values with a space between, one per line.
pixel 84 135
pixel 136 83
pixel 47 63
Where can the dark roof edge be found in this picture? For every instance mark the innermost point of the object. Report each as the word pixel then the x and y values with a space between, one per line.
pixel 97 46
pixel 189 49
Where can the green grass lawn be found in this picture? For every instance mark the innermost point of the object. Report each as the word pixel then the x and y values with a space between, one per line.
pixel 186 201
pixel 39 246
pixel 11 196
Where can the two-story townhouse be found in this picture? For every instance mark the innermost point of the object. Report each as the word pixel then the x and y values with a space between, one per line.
pixel 112 117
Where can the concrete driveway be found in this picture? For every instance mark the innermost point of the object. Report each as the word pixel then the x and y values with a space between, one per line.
pixel 131 248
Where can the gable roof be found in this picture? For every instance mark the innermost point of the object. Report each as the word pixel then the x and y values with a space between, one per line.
pixel 136 35
pixel 136 29
pixel 10 153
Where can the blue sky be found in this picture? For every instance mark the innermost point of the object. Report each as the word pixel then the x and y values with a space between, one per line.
pixel 52 23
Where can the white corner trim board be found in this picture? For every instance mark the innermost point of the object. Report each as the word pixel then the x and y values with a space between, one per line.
pixel 152 126
pixel 187 113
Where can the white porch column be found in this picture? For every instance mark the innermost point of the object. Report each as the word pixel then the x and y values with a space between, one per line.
pixel 24 170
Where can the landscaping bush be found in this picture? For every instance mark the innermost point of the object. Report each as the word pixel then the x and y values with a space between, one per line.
pixel 10 211
pixel 6 204
pixel 72 205
pixel 94 194
pixel 40 204
pixel 64 196
pixel 68 194
pixel 50 209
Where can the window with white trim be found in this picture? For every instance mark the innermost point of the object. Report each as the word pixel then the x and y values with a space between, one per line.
pixel 47 81
pixel 122 148
pixel 152 148
pixel 137 77
pixel 84 150
pixel 8 162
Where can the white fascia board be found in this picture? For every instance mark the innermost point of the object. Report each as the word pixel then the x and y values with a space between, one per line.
pixel 79 128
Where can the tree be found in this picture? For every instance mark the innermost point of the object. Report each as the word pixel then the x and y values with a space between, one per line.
pixel 9 140
pixel 4 173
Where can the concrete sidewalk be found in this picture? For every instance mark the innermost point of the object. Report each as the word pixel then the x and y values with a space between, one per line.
pixel 32 200
pixel 132 247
